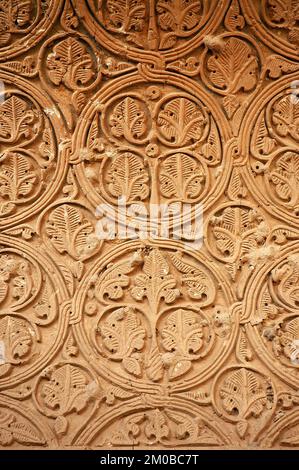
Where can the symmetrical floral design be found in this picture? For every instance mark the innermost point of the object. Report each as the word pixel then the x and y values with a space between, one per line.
pixel 139 328
pixel 147 139
pixel 110 110
pixel 146 24
pixel 241 393
pixel 70 64
pixel 17 121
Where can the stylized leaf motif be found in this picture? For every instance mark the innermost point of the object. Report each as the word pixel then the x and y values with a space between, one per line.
pixel 122 334
pixel 234 67
pixel 156 282
pixel 277 9
pixel 16 177
pixel 69 20
pixel 188 66
pixel 286 341
pixel 199 285
pixel 127 177
pixel 233 232
pixel 168 40
pixel 262 141
pixel 112 67
pixel 183 333
pixel 165 426
pixel 243 352
pixel 79 101
pixel 127 15
pixel 283 13
pixel 21 13
pixel 22 282
pixel 183 337
pixel 18 339
pixel 211 149
pixel 70 63
pixel 181 121
pixel 45 307
pixel 187 337
pixel 8 267
pixel 70 348
pixel 156 427
pixel 286 116
pixel 230 103
pixel 233 20
pixel 13 15
pixel 243 394
pixel 128 120
pixel 236 189
pixel 286 278
pixel 286 178
pixel 13 427
pixel 65 390
pixel 16 120
pixel 70 232
pixel 113 280
pixel 292 328
pixel 265 309
pixel 25 67
pixel 276 66
pixel 182 177
pixel 113 392
pixel 180 16
pixel 179 367
pixel 94 142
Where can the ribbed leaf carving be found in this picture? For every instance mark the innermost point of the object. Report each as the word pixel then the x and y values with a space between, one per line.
pixel 65 391
pixel 16 176
pixel 181 177
pixel 123 336
pixel 127 177
pixel 128 120
pixel 181 121
pixel 16 120
pixel 70 63
pixel 70 232
pixel 234 67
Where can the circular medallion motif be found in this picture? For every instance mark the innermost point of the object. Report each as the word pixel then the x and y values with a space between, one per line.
pixel 127 321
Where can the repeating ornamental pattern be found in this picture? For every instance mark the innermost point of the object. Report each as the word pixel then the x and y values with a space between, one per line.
pixel 147 342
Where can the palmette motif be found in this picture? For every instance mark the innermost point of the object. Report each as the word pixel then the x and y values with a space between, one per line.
pixel 151 343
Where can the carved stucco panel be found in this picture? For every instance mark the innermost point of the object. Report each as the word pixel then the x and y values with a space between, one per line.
pixel 145 343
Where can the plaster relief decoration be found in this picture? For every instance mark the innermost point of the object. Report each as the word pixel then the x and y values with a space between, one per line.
pixel 149 224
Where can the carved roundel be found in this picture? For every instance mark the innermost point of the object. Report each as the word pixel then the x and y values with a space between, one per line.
pixel 148 314
pixel 146 142
pixel 79 73
pixel 271 309
pixel 276 23
pixel 272 146
pixel 31 320
pixel 30 156
pixel 148 29
pixel 23 23
pixel 62 389
pixel 241 394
